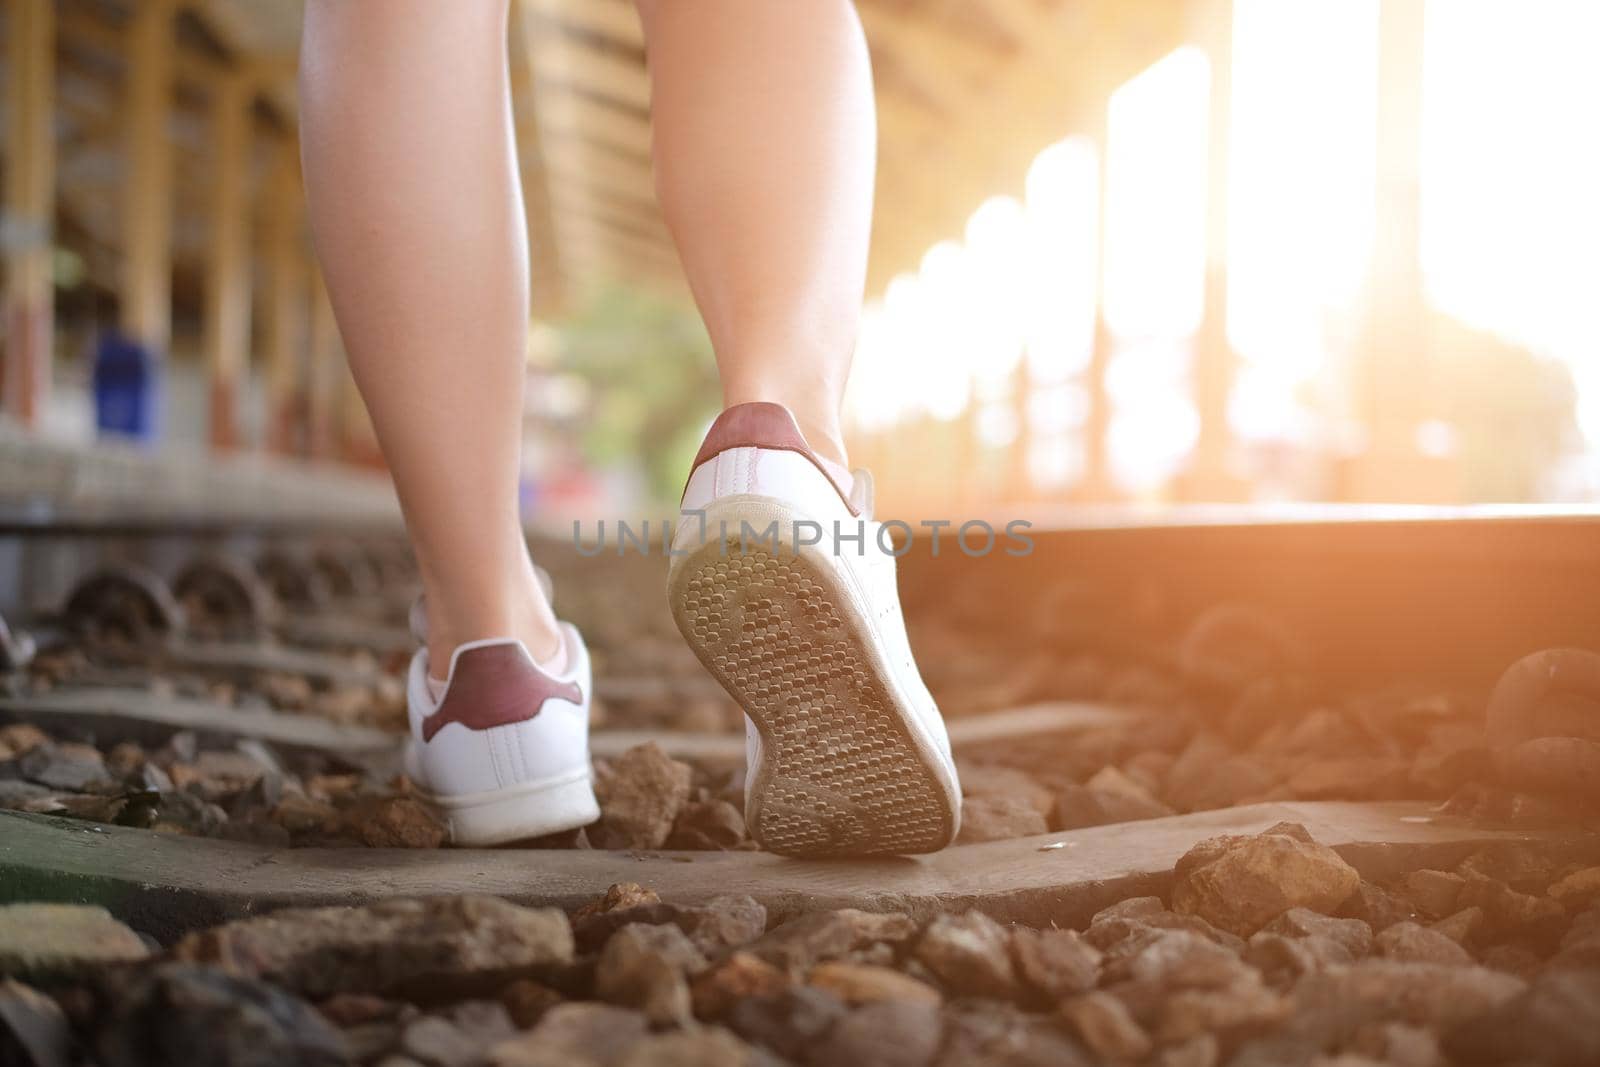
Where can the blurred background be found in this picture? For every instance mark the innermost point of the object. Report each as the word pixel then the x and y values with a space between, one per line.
pixel 1136 251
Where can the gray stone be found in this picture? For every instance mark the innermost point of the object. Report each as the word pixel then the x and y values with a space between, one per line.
pixel 465 941
pixel 997 818
pixel 1175 959
pixel 888 1033
pixel 1104 1024
pixel 864 983
pixel 575 1034
pixel 641 793
pixel 1054 963
pixel 1242 1007
pixel 709 1046
pixel 1555 1021
pixel 789 1023
pixel 33 1028
pixel 800 944
pixel 66 766
pixel 1377 907
pixel 968 953
pixel 983 1032
pixel 1331 1006
pixel 739 976
pixel 52 941
pixel 986 781
pixel 1433 892
pixel 1352 935
pixel 1411 943
pixel 1252 881
pixel 648 967
pixel 177 1013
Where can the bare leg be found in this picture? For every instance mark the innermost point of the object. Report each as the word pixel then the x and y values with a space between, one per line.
pixel 417 212
pixel 764 149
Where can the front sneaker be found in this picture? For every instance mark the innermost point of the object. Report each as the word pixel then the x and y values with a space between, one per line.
pixel 848 753
pixel 503 754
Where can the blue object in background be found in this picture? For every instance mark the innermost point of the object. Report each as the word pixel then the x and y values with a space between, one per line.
pixel 127 382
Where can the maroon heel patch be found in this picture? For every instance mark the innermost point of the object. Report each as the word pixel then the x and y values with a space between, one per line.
pixel 496 686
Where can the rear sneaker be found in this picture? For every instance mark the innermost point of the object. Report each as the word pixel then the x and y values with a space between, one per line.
pixel 503 754
pixel 848 755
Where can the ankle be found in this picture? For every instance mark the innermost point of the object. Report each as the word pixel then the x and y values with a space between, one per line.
pixel 526 617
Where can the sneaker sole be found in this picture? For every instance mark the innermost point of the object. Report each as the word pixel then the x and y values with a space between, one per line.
pixel 532 809
pixel 843 772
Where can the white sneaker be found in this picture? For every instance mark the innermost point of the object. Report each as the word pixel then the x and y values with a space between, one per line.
pixel 503 754
pixel 848 754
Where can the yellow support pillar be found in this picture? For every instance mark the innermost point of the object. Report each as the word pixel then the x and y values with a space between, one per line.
pixel 285 302
pixel 29 206
pixel 227 321
pixel 147 195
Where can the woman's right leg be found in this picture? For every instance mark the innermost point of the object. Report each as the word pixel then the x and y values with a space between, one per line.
pixel 416 208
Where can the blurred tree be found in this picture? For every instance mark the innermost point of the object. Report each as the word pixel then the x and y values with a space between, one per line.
pixel 652 379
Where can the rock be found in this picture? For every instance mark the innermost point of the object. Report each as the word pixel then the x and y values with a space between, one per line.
pixel 800 944
pixel 177 1013
pixel 1513 959
pixel 573 1034
pixel 1511 912
pixel 641 793
pixel 708 826
pixel 1054 963
pixel 707 1047
pixel 1242 1006
pixel 1131 908
pixel 859 983
pixel 999 818
pixel 1106 1026
pixel 461 1041
pixel 647 967
pixel 1207 774
pixel 715 991
pixel 1252 881
pixel 395 822
pixel 991 781
pixel 1284 960
pixel 1410 943
pixel 20 738
pixel 186 813
pixel 1331 1006
pixel 1578 889
pixel 1433 892
pixel 1351 935
pixel 63 941
pixel 65 765
pixel 1198 1051
pixel 1461 926
pixel 1111 781
pixel 33 1028
pixel 1400 1044
pixel 884 1033
pixel 984 1032
pixel 1079 806
pixel 789 1023
pixel 527 1001
pixel 720 924
pixel 618 897
pixel 1524 866
pixel 1174 959
pixel 391 946
pixel 1377 907
pixel 1350 778
pixel 300 814
pixel 1108 933
pixel 1555 1021
pixel 969 953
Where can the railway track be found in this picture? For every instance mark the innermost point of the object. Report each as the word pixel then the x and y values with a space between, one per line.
pixel 1390 720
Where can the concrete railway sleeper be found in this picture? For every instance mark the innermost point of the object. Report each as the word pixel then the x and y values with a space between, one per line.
pixel 1182 843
